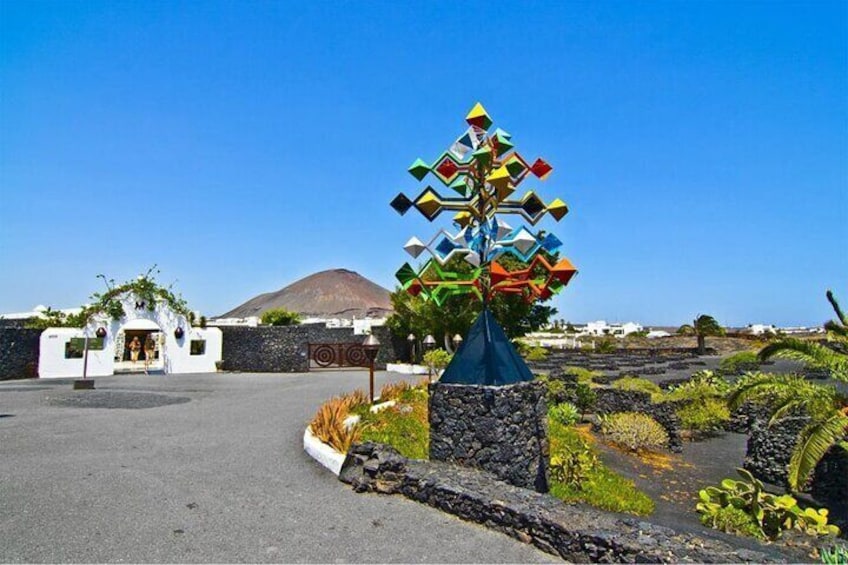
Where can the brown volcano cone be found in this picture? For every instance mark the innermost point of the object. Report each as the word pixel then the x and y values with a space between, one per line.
pixel 337 293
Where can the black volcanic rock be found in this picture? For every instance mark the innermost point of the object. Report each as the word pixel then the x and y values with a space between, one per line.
pixel 337 293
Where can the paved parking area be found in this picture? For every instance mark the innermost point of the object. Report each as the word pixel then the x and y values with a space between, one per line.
pixel 202 468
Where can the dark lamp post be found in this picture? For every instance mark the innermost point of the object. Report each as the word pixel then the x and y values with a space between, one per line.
pixel 371 346
pixel 457 341
pixel 429 344
pixel 101 332
pixel 411 339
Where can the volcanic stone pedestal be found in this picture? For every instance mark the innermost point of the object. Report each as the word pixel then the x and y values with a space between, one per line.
pixel 500 429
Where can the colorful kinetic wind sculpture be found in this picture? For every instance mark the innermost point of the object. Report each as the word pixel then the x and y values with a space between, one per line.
pixel 484 169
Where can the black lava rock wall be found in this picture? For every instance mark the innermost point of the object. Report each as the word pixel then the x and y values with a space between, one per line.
pixel 284 348
pixel 19 350
pixel 575 532
pixel 768 453
pixel 502 430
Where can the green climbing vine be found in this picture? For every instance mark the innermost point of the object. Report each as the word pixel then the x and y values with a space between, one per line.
pixel 147 291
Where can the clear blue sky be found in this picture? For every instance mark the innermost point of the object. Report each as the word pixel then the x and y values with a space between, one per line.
pixel 702 147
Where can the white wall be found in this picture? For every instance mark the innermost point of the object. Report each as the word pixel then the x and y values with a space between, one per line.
pixel 178 352
pixel 52 362
pixel 177 357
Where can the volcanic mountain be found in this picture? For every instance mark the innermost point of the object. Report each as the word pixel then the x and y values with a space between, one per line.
pixel 337 293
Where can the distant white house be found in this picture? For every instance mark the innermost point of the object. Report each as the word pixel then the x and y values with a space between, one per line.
pixel 558 340
pixel 360 326
pixel 177 347
pixel 761 329
pixel 601 328
pixel 250 321
pixel 37 312
pixel 551 340
pixel 654 334
pixel 802 330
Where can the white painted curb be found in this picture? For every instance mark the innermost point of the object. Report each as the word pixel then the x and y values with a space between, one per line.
pixel 322 453
pixel 406 368
pixel 382 406
pixel 326 455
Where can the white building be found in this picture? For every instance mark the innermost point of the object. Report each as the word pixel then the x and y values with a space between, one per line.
pixel 760 329
pixel 361 326
pixel 178 347
pixel 601 328
pixel 654 334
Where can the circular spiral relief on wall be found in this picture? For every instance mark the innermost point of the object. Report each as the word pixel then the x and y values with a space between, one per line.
pixel 324 355
pixel 356 356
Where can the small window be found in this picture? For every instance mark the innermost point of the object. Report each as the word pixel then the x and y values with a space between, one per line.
pixel 75 347
pixel 197 347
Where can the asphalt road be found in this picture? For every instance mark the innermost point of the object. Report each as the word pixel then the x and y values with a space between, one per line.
pixel 206 469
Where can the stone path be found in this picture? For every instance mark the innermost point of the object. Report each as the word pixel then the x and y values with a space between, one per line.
pixel 123 476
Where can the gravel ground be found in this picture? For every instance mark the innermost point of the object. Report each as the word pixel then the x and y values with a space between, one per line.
pixel 202 469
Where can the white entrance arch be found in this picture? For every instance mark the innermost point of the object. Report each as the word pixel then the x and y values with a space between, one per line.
pixel 181 348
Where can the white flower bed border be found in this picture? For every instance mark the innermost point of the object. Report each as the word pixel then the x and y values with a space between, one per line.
pixel 326 455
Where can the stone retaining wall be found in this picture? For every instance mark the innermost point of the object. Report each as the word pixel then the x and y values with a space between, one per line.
pixel 769 449
pixel 576 533
pixel 500 429
pixel 19 349
pixel 768 453
pixel 284 348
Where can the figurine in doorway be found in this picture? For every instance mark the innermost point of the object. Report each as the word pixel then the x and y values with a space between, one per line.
pixel 149 351
pixel 134 347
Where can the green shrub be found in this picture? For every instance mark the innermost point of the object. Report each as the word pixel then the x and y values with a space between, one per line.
pixel 769 514
pixel 582 375
pixel 536 354
pixel 280 317
pixel 564 413
pixel 702 385
pixel 640 385
pixel 606 345
pixel 573 467
pixel 404 426
pixel 707 415
pixel 634 431
pixel 555 391
pixel 733 521
pixel 739 363
pixel 521 346
pixel 585 398
pixel 590 480
pixel 437 359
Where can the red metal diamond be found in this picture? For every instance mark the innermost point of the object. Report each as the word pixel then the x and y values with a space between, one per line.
pixel 541 169
pixel 447 169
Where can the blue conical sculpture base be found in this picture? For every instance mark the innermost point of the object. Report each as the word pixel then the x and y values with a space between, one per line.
pixel 486 357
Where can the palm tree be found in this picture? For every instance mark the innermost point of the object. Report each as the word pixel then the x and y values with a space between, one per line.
pixel 828 409
pixel 702 327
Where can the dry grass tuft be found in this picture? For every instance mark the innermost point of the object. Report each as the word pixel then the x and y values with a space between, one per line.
pixel 328 423
pixel 392 391
pixel 357 398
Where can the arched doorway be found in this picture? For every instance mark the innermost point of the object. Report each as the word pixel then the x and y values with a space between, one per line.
pixel 139 347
